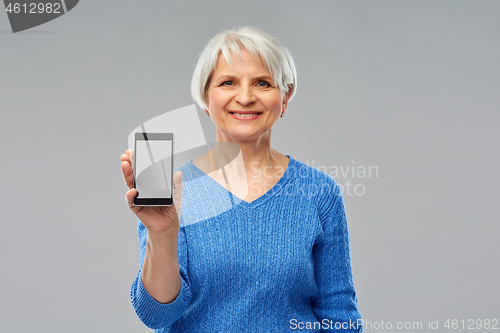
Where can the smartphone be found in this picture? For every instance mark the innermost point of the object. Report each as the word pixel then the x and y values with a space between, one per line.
pixel 153 169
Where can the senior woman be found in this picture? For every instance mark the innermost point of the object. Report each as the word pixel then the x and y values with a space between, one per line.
pixel 262 242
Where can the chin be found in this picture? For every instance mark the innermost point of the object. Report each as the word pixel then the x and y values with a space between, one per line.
pixel 245 135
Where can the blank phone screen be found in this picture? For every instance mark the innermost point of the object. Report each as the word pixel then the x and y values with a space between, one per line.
pixel 153 168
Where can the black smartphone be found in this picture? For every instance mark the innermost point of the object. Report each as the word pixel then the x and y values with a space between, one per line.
pixel 153 169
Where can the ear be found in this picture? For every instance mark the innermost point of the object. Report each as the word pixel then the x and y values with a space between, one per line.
pixel 287 98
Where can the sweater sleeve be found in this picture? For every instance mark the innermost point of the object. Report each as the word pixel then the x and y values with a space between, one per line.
pixel 152 313
pixel 336 301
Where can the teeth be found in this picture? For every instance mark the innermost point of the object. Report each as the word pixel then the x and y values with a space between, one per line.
pixel 246 114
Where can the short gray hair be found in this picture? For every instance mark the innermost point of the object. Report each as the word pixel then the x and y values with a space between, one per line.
pixel 273 53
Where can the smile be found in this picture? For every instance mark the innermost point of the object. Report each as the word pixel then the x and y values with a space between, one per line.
pixel 245 114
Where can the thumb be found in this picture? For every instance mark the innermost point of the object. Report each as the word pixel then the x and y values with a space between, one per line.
pixel 178 192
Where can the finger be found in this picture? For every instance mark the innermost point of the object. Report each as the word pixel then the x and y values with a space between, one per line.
pixel 129 197
pixel 128 156
pixel 128 175
pixel 178 185
pixel 125 157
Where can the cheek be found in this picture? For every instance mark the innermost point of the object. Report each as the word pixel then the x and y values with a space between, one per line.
pixel 217 101
pixel 276 102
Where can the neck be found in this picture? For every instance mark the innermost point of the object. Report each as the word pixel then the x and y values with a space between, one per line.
pixel 257 154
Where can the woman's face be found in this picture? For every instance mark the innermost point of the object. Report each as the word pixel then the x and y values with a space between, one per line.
pixel 243 101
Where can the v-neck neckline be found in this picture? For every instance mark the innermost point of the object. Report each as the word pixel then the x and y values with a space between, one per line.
pixel 263 198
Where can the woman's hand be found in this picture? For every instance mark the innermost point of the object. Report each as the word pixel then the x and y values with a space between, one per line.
pixel 160 271
pixel 155 219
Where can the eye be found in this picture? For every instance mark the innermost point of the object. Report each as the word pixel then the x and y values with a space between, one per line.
pixel 227 83
pixel 263 84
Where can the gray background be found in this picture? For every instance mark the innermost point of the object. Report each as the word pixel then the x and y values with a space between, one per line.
pixel 408 86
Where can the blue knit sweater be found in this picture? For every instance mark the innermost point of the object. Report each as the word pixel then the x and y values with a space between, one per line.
pixel 278 264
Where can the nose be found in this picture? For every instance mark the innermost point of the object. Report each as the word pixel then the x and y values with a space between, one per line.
pixel 245 96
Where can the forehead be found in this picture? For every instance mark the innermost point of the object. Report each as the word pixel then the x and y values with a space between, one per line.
pixel 243 62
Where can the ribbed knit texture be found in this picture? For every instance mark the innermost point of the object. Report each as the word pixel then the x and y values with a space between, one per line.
pixel 255 267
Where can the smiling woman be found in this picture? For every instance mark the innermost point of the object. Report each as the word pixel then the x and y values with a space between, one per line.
pixel 275 57
pixel 243 100
pixel 275 257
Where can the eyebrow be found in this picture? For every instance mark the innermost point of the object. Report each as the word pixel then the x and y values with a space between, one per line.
pixel 231 77
pixel 225 77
